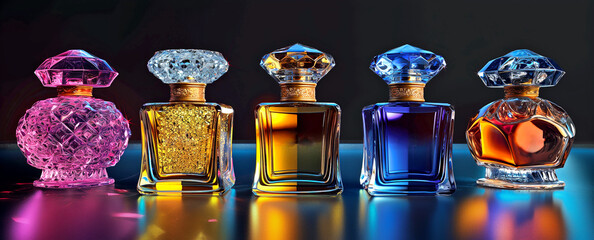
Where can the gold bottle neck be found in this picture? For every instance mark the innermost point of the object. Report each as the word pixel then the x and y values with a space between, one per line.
pixel 85 91
pixel 407 92
pixel 298 92
pixel 187 92
pixel 529 91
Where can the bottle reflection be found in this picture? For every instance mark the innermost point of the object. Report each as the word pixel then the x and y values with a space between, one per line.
pixel 296 218
pixel 419 217
pixel 95 213
pixel 194 217
pixel 501 214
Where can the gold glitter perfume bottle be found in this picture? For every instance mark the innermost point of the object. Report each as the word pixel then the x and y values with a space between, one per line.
pixel 186 143
pixel 297 138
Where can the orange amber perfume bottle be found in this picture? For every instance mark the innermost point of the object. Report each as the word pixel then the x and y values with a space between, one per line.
pixel 186 143
pixel 297 138
pixel 522 138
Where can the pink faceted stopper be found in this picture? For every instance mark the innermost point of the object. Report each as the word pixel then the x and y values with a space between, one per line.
pixel 75 68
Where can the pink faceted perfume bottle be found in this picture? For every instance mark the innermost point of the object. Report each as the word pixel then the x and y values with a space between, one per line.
pixel 73 137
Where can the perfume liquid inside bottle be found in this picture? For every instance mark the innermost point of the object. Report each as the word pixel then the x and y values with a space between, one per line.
pixel 408 142
pixel 414 135
pixel 186 142
pixel 522 138
pixel 524 141
pixel 297 139
pixel 297 143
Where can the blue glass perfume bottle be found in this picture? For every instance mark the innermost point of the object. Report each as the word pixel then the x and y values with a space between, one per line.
pixel 408 142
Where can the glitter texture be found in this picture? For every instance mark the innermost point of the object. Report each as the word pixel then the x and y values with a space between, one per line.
pixel 184 138
pixel 186 142
pixel 187 148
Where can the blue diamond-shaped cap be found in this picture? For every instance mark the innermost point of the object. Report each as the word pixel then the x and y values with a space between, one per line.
pixel 297 63
pixel 521 67
pixel 407 64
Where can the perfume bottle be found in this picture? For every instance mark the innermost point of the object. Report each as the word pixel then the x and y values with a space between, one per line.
pixel 186 142
pixel 407 141
pixel 297 138
pixel 72 138
pixel 521 139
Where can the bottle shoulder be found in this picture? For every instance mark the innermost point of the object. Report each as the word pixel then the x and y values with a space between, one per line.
pixel 76 102
pixel 519 109
pixel 409 106
pixel 288 104
pixel 158 105
pixel 299 105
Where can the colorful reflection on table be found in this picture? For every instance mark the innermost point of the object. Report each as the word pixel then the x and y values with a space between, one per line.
pixel 504 214
pixel 187 217
pixel 296 218
pixel 389 217
pixel 95 213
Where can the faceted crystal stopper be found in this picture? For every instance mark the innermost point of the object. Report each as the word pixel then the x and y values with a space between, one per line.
pixel 407 64
pixel 75 68
pixel 188 66
pixel 297 63
pixel 521 67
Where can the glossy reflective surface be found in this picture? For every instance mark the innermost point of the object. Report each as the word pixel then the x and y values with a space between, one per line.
pixel 186 148
pixel 408 148
pixel 297 148
pixel 118 212
pixel 521 132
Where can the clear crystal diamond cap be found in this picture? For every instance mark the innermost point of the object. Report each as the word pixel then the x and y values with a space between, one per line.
pixel 297 63
pixel 188 66
pixel 75 68
pixel 407 64
pixel 521 67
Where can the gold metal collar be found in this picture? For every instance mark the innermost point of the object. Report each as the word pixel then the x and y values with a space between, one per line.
pixel 298 92
pixel 187 92
pixel 530 91
pixel 86 91
pixel 407 92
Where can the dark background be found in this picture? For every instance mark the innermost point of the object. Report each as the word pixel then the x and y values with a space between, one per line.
pixel 466 33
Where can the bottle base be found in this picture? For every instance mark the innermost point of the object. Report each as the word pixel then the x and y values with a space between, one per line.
pixel 74 184
pixel 521 179
pixel 79 178
pixel 411 188
pixel 332 192
pixel 181 187
pixel 287 191
pixel 86 183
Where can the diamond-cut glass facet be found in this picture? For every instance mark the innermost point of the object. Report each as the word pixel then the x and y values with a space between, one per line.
pixel 407 64
pixel 188 66
pixel 75 68
pixel 75 135
pixel 521 67
pixel 297 63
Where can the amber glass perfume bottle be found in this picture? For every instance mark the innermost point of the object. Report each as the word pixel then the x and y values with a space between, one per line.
pixel 408 142
pixel 297 138
pixel 521 139
pixel 186 143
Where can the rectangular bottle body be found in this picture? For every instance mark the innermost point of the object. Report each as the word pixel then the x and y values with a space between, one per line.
pixel 408 148
pixel 186 148
pixel 297 148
